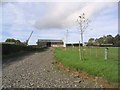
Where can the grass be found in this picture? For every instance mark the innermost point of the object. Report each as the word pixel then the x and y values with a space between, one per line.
pixel 93 63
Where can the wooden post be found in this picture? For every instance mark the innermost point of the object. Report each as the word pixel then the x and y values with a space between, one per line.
pixel 106 53
pixel 90 52
pixel 96 52
pixel 80 51
pixel 86 51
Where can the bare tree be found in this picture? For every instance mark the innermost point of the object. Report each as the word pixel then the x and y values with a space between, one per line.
pixel 83 22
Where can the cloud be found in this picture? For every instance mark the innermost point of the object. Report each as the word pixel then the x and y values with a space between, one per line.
pixel 13 15
pixel 20 19
pixel 63 15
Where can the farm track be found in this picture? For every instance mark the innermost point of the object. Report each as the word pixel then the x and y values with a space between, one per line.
pixel 37 70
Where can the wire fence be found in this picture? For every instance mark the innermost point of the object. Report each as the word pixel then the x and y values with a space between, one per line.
pixel 105 53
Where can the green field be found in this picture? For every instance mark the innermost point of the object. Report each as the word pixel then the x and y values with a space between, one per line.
pixel 93 63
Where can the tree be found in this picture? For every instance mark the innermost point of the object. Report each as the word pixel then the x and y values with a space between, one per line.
pixel 17 42
pixel 83 22
pixel 104 40
pixel 109 39
pixel 91 41
pixel 10 40
pixel 116 40
pixel 100 40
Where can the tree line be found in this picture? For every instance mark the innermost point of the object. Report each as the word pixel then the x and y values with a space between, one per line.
pixel 16 42
pixel 105 40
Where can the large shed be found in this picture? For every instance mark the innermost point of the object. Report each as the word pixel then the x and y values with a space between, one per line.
pixel 50 43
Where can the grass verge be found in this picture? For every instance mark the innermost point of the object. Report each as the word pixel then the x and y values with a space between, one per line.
pixel 93 63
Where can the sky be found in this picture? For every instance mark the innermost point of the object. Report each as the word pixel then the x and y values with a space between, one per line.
pixel 51 20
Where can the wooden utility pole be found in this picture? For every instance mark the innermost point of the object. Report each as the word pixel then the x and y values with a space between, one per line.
pixel 96 52
pixel 66 39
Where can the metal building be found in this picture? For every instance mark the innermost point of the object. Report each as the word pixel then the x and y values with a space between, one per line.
pixel 49 43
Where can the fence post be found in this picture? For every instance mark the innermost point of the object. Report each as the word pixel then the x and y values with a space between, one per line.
pixel 106 53
pixel 96 52
pixel 90 52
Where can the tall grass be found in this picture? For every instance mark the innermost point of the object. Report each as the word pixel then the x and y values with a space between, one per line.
pixel 93 63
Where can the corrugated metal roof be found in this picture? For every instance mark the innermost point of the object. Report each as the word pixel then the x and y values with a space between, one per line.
pixel 49 40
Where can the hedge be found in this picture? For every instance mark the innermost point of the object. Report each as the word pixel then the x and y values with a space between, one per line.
pixel 11 48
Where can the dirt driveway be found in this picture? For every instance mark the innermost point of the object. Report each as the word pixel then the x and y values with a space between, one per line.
pixel 37 70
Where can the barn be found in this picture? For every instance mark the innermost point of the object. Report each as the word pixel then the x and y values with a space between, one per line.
pixel 50 43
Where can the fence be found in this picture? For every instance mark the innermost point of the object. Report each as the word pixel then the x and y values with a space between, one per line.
pixel 100 53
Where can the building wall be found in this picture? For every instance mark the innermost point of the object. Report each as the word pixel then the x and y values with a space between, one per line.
pixel 42 44
pixel 50 43
pixel 58 45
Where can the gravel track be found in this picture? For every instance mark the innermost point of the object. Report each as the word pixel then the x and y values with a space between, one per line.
pixel 38 71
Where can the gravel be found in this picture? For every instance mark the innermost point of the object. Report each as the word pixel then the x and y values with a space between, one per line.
pixel 38 71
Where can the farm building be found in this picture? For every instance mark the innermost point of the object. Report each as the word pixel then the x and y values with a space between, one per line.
pixel 50 43
pixel 73 44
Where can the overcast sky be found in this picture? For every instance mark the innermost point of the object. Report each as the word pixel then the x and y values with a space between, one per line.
pixel 50 20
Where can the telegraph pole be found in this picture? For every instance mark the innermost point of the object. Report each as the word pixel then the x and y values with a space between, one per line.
pixel 66 39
